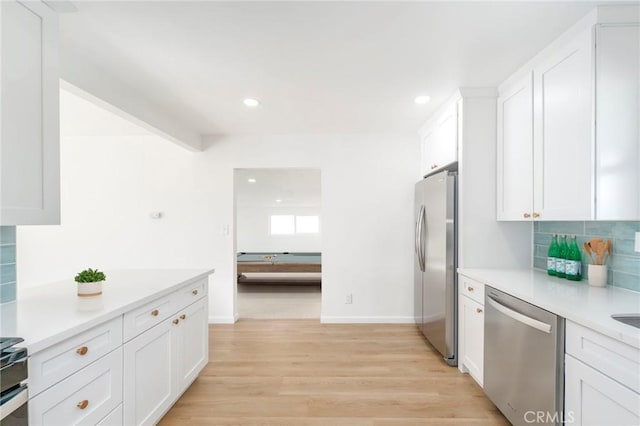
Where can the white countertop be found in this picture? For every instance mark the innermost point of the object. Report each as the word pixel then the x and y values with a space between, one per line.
pixel 49 313
pixel 576 301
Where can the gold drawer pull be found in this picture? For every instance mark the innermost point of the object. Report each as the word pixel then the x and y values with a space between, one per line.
pixel 176 321
pixel 155 312
pixel 535 214
pixel 82 351
pixel 478 310
pixel 183 316
pixel 470 288
pixel 526 215
pixel 194 292
pixel 83 404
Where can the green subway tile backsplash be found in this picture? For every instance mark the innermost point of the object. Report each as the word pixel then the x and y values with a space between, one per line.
pixel 7 264
pixel 624 264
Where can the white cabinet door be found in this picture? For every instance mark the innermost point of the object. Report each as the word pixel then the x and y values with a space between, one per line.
pixel 563 128
pixel 515 151
pixel 617 122
pixel 591 398
pixel 29 119
pixel 472 322
pixel 148 375
pixel 191 344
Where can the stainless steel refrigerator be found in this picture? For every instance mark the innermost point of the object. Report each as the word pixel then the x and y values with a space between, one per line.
pixel 435 262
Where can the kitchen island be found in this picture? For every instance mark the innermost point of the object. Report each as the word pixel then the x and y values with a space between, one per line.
pixel 123 357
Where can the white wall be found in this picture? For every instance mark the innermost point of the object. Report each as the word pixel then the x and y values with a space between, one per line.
pixel 110 185
pixel 252 223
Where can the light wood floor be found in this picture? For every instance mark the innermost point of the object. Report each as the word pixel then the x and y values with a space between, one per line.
pixel 301 372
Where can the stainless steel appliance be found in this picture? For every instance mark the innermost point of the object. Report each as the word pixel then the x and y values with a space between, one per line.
pixel 13 387
pixel 435 260
pixel 523 360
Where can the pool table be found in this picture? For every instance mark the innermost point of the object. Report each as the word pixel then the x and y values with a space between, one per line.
pixel 279 262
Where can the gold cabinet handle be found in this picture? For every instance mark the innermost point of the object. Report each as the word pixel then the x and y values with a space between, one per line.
pixel 83 404
pixel 469 288
pixel 478 310
pixel 194 292
pixel 434 166
pixel 183 316
pixel 526 215
pixel 176 321
pixel 82 351
pixel 155 312
pixel 536 214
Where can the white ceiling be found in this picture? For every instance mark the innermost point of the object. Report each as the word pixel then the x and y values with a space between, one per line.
pixel 317 67
pixel 294 187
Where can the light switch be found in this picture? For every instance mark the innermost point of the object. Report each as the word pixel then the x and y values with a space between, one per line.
pixel 638 242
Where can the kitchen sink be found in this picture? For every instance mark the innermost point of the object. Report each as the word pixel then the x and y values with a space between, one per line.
pixel 629 319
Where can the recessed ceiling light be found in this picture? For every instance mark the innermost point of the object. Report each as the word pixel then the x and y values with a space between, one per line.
pixel 421 100
pixel 278 200
pixel 251 180
pixel 251 103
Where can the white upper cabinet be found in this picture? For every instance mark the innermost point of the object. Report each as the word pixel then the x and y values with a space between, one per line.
pixel 515 151
pixel 617 172
pixel 568 126
pixel 29 118
pixel 440 138
pixel 563 126
pixel 545 126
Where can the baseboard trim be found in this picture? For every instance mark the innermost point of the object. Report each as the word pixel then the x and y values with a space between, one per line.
pixel 222 320
pixel 326 319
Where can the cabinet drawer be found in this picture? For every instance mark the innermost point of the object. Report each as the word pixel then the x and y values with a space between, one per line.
pixel 472 289
pixel 53 364
pixel 147 316
pixel 190 293
pixel 615 359
pixel 85 398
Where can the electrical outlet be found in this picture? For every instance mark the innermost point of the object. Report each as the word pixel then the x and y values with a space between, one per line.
pixel 638 242
pixel 349 299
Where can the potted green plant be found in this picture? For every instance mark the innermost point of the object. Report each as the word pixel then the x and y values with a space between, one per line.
pixel 90 282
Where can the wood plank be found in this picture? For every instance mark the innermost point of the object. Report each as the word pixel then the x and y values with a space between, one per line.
pixel 244 267
pixel 301 372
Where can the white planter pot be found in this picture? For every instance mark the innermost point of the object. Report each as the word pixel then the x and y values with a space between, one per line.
pixel 598 275
pixel 90 289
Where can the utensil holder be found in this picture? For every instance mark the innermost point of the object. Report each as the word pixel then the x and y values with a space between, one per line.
pixel 598 275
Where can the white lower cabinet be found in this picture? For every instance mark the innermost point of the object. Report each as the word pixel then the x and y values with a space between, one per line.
pixel 472 321
pixel 471 327
pixel 148 387
pixel 162 362
pixel 99 377
pixel 191 345
pixel 602 379
pixel 83 398
pixel 591 398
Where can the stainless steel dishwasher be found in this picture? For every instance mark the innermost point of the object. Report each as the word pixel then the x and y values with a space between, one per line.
pixel 523 360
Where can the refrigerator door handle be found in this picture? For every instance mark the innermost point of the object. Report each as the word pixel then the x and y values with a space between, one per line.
pixel 539 325
pixel 416 235
pixel 421 240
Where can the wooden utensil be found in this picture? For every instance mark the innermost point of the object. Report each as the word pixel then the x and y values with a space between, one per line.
pixel 587 248
pixel 600 248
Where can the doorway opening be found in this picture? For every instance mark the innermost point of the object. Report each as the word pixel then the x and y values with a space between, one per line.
pixel 278 243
